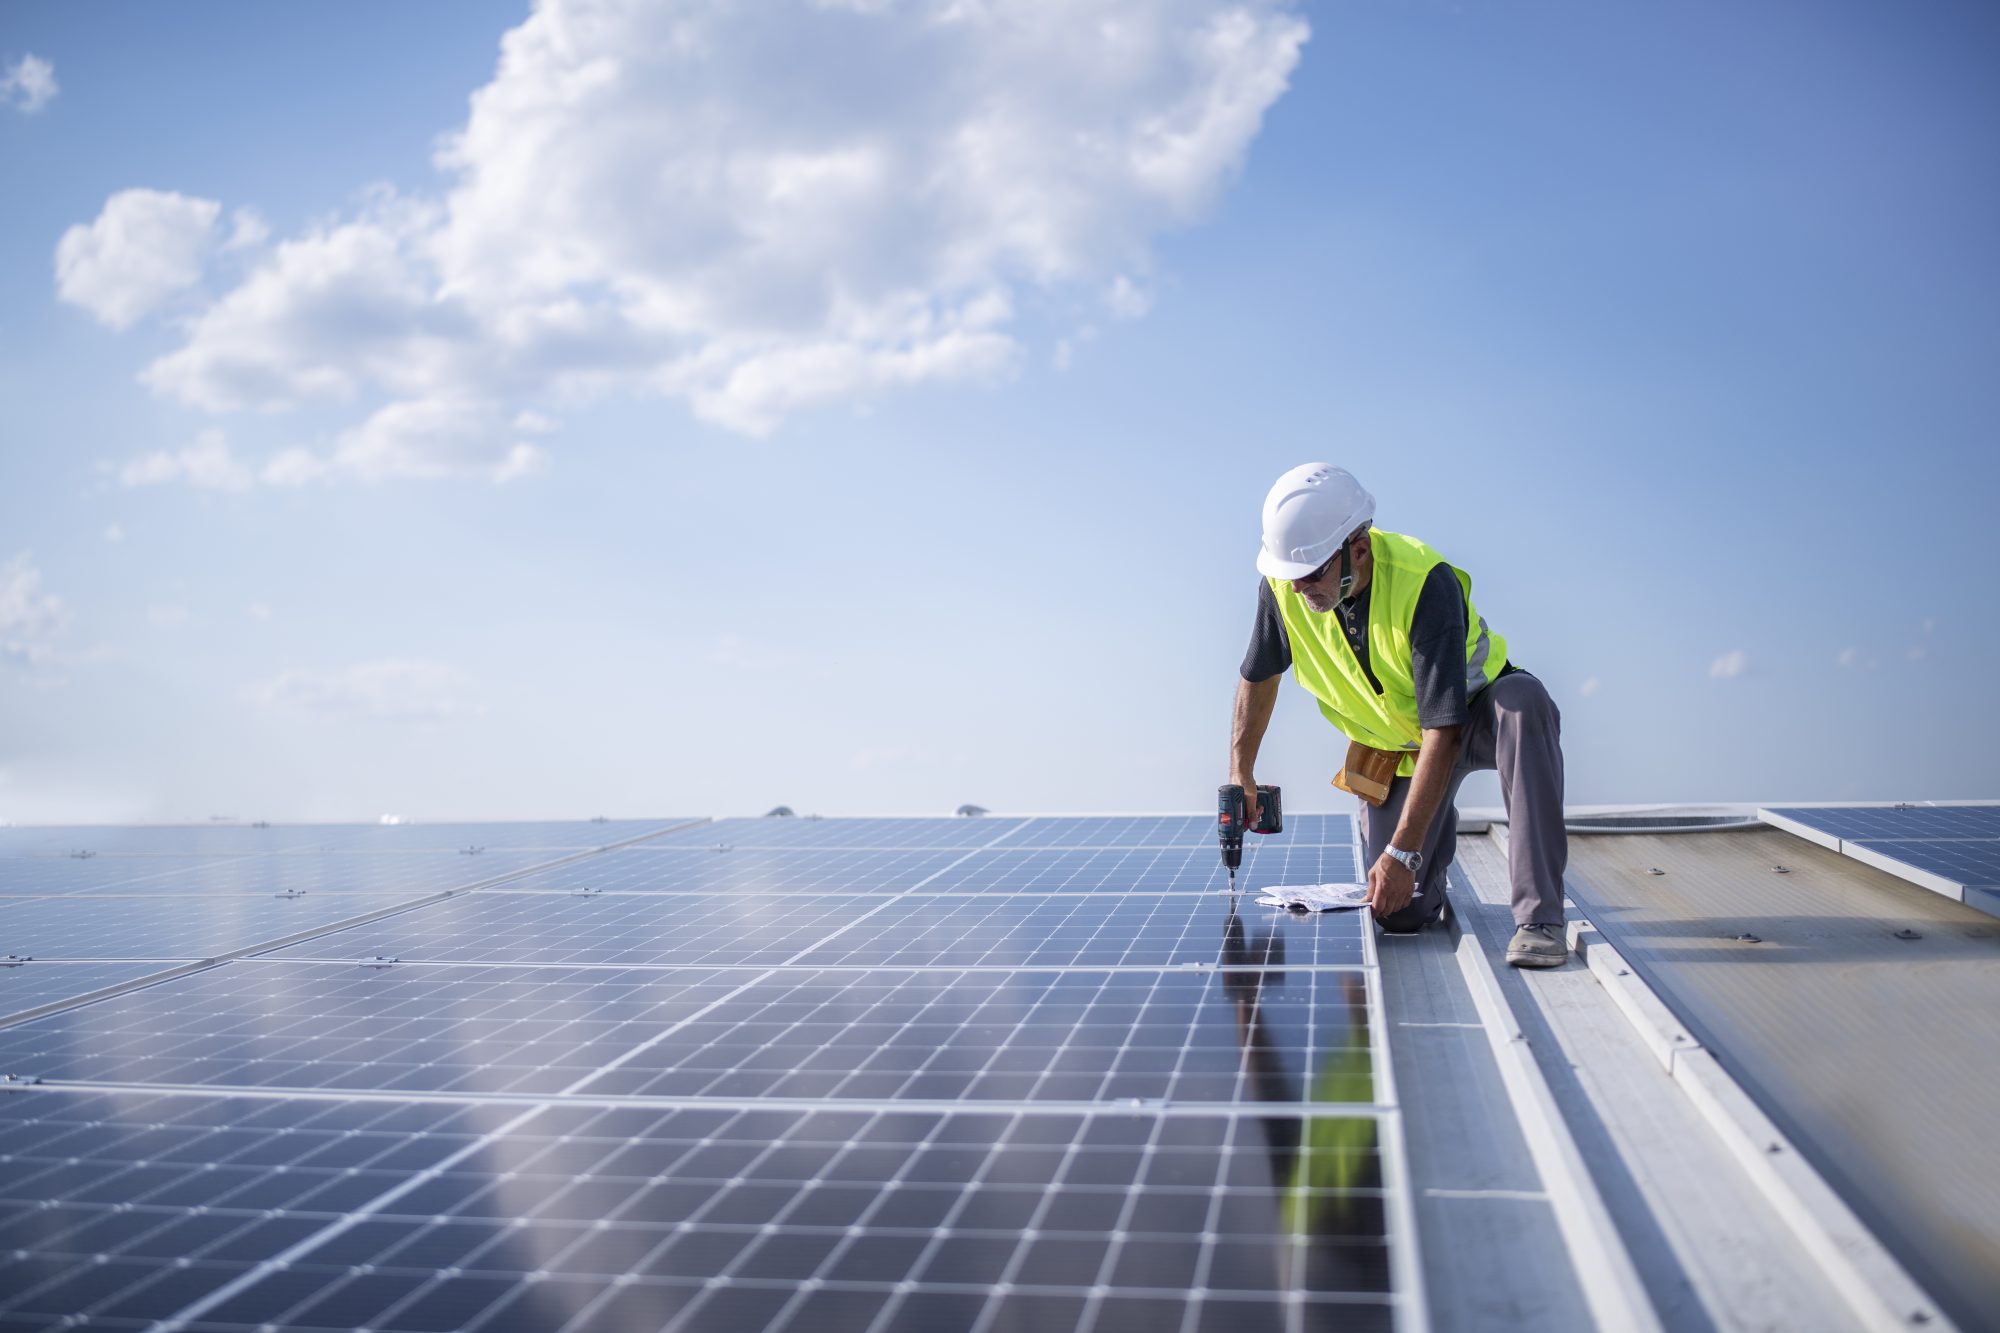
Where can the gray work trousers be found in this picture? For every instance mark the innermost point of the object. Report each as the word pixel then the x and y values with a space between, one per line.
pixel 1514 728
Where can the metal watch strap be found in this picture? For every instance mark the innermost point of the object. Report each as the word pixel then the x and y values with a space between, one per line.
pixel 1412 861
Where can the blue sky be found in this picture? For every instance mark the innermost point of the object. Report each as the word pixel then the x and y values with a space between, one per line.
pixel 850 408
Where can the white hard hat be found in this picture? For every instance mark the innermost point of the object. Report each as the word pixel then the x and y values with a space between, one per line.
pixel 1310 511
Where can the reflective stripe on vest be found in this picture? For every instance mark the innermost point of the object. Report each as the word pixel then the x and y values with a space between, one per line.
pixel 1323 662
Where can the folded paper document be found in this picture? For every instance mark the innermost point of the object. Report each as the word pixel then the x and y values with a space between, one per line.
pixel 1315 897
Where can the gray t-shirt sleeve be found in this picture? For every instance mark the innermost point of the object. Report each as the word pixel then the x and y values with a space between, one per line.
pixel 1270 651
pixel 1437 650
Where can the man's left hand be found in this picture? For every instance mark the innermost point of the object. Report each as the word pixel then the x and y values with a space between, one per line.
pixel 1390 886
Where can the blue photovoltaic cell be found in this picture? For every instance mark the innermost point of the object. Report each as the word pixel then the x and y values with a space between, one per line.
pixel 89 926
pixel 906 835
pixel 36 983
pixel 1911 822
pixel 1964 862
pixel 740 870
pixel 583 1218
pixel 637 929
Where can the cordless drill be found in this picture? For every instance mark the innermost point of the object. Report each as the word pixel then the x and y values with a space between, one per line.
pixel 1232 815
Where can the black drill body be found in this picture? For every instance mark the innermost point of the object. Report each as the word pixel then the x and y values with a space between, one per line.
pixel 1231 816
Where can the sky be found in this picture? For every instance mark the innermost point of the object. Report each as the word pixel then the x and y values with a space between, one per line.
pixel 485 411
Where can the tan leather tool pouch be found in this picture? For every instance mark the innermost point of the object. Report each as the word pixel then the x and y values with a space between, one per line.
pixel 1368 772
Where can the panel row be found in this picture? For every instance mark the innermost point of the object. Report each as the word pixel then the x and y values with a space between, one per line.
pixel 1282 1038
pixel 922 929
pixel 425 1217
pixel 679 867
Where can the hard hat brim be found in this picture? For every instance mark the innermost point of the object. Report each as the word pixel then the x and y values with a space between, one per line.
pixel 1271 567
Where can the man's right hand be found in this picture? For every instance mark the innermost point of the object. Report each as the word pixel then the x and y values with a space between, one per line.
pixel 1249 785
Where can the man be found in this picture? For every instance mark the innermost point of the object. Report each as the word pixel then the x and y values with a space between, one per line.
pixel 1382 631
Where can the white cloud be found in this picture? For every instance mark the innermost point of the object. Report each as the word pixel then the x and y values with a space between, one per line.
pixel 29 84
pixel 258 611
pixel 247 230
pixel 167 615
pixel 1845 659
pixel 1730 665
pixel 143 248
pixel 1929 626
pixel 30 619
pixel 1126 299
pixel 426 438
pixel 113 533
pixel 392 690
pixel 207 464
pixel 1589 687
pixel 751 212
pixel 1917 653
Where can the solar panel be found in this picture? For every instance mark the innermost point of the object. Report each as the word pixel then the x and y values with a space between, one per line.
pixel 1188 831
pixel 1950 849
pixel 1145 870
pixel 1070 930
pixel 905 835
pixel 205 840
pixel 30 876
pixel 886 1074
pixel 1963 861
pixel 1026 1036
pixel 91 926
pixel 705 870
pixel 531 835
pixel 1926 822
pixel 354 1214
pixel 643 929
pixel 409 874
pixel 29 985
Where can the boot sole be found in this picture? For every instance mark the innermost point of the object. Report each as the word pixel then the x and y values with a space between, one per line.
pixel 1536 960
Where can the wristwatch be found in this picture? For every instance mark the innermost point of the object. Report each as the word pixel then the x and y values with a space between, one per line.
pixel 1414 861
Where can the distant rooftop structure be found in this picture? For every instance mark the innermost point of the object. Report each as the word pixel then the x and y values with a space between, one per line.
pixel 1000 1073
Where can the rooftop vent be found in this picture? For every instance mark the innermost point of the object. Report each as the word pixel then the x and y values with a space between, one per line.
pixel 1661 823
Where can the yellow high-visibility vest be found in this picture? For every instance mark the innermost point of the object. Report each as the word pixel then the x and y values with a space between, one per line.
pixel 1323 662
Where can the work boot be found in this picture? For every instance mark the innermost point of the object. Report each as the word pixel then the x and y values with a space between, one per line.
pixel 1537 945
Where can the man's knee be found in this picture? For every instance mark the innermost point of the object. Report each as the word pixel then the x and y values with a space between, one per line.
pixel 1522 699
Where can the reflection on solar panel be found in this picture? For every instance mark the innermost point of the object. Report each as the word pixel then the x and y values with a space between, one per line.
pixel 879 1074
pixel 1950 849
